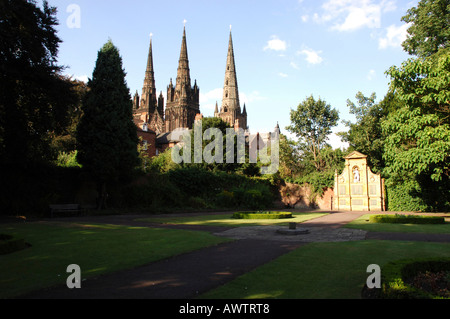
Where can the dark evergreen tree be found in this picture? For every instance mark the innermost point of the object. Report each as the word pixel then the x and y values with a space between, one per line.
pixel 33 97
pixel 106 135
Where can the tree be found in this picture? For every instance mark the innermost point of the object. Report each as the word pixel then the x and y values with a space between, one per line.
pixel 311 122
pixel 417 145
pixel 33 96
pixel 106 135
pixel 430 27
pixel 365 135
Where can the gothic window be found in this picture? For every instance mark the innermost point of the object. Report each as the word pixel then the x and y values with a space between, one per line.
pixel 226 94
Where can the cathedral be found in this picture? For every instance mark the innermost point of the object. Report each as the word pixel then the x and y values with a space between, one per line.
pixel 155 123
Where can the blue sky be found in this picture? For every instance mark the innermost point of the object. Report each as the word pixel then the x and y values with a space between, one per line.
pixel 285 50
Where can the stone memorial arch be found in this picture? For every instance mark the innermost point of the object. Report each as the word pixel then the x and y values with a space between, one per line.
pixel 357 188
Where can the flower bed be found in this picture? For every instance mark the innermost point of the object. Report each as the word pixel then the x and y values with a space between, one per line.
pixel 414 279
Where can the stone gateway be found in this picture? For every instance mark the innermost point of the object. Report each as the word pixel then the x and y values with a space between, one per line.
pixel 357 188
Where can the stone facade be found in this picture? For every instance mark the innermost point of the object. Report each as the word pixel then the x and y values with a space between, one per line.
pixel 183 100
pixel 230 111
pixel 357 188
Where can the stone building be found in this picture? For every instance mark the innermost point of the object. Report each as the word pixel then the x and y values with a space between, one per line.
pixel 230 110
pixel 357 188
pixel 183 100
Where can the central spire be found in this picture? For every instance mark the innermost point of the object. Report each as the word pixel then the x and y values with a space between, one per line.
pixel 230 99
pixel 183 74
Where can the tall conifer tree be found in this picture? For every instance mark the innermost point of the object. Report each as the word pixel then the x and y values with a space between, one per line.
pixel 106 134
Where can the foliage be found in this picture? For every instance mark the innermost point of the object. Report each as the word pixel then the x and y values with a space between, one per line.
pixel 262 215
pixel 67 159
pixel 429 28
pixel 65 141
pixel 417 141
pixel 289 158
pixel 397 277
pixel 195 188
pixel 406 219
pixel 365 135
pixel 318 180
pixel 34 97
pixel 311 122
pixel 163 162
pixel 106 133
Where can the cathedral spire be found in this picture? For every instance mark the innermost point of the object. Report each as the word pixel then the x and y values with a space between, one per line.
pixel 230 89
pixel 149 88
pixel 183 74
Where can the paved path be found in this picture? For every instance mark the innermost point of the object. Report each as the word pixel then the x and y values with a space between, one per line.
pixel 190 274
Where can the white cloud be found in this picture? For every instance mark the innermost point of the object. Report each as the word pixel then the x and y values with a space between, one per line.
pixel 208 100
pixel 275 44
pixel 249 98
pixel 336 142
pixel 351 15
pixel 294 65
pixel 394 36
pixel 83 78
pixel 283 75
pixel 371 75
pixel 305 18
pixel 312 57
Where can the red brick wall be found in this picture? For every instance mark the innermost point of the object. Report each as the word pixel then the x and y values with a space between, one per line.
pixel 297 196
pixel 150 138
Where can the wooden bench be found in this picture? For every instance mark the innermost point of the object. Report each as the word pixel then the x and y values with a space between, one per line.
pixel 65 208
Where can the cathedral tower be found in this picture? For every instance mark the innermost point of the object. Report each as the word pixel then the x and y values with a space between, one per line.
pixel 182 100
pixel 149 108
pixel 230 111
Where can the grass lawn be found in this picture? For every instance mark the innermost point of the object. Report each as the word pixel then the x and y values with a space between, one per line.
pixel 97 249
pixel 323 270
pixel 226 220
pixel 364 224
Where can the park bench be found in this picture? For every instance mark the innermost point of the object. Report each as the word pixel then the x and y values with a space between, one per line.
pixel 64 208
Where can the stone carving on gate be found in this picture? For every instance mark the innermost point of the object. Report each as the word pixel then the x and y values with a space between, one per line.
pixel 357 188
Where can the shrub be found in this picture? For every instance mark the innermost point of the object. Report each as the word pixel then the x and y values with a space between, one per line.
pixel 262 215
pixel 397 277
pixel 406 219
pixel 9 244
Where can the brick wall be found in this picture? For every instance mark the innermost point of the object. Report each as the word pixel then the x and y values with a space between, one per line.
pixel 148 141
pixel 299 196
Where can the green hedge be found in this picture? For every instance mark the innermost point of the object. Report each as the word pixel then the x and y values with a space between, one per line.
pixel 406 219
pixel 396 276
pixel 262 215
pixel 9 244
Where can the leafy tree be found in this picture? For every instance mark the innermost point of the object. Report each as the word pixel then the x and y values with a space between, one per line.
pixel 106 135
pixel 65 140
pixel 417 146
pixel 365 135
pixel 289 158
pixel 33 96
pixel 311 122
pixel 430 27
